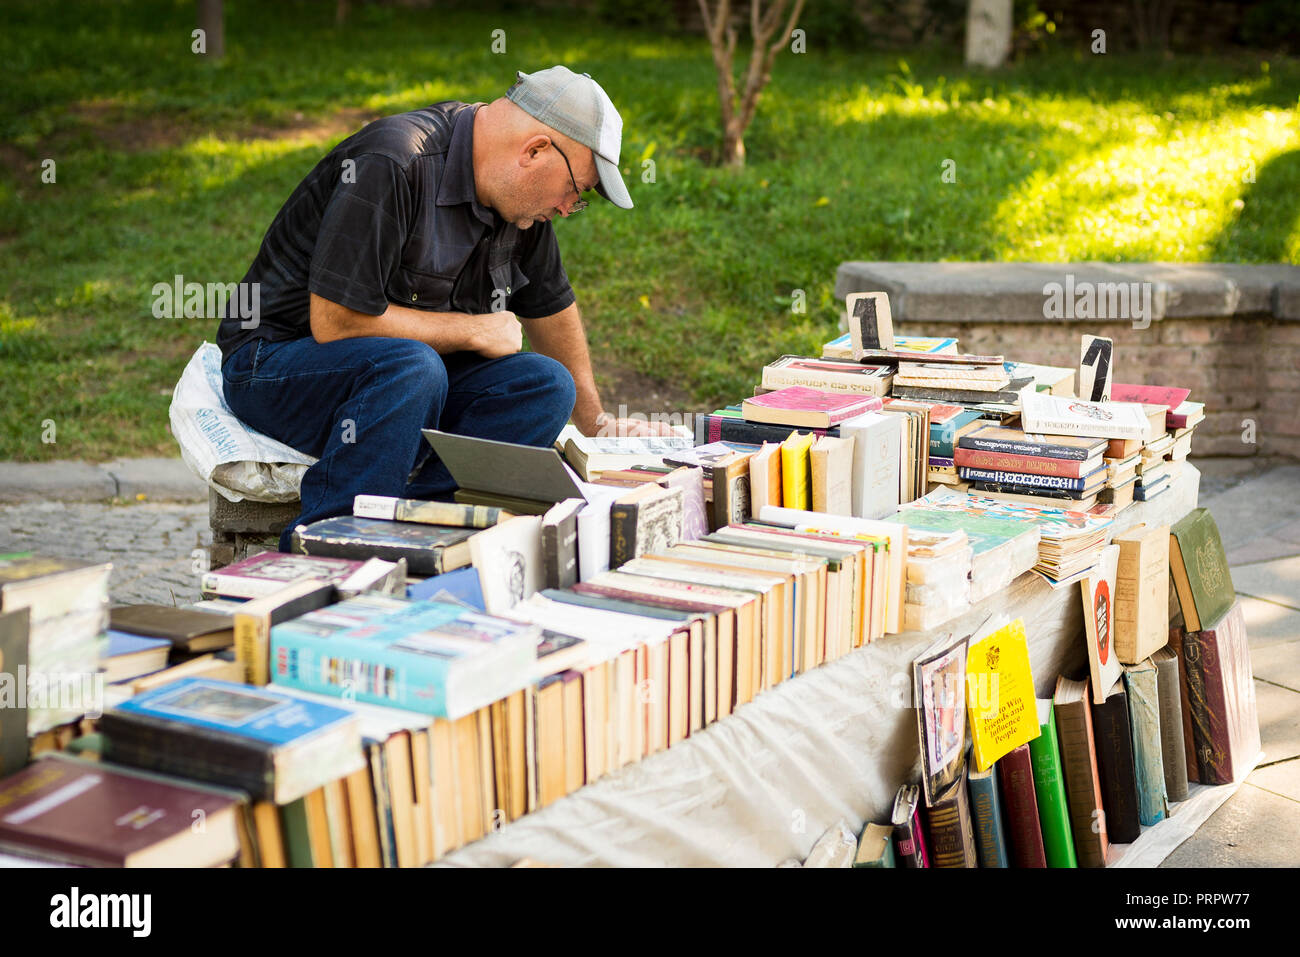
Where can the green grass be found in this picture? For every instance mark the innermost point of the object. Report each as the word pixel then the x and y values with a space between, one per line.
pixel 168 165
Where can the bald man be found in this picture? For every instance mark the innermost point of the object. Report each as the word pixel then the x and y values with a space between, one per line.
pixel 397 280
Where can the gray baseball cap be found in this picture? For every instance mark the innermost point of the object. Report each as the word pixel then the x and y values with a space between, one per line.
pixel 575 105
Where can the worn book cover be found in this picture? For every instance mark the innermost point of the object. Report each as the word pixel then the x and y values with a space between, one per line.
pixel 877 458
pixel 949 827
pixel 1060 415
pixel 1221 699
pixel 1114 740
pixel 646 520
pixel 1199 567
pixel 939 694
pixel 909 838
pixel 560 543
pixel 807 408
pixel 830 375
pixel 256 577
pixel 1082 777
pixel 508 557
pixel 986 814
pixel 831 462
pixel 1141 592
pixel 1144 724
pixel 428 549
pixel 1098 587
pixel 996 438
pixel 428 513
pixel 1173 754
pixel 1016 778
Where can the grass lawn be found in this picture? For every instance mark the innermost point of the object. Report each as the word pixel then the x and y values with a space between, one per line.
pixel 166 165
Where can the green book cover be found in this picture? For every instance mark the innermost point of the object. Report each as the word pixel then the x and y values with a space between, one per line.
pixel 1200 569
pixel 297 836
pixel 1049 787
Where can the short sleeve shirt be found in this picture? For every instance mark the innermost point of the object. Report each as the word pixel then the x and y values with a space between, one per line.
pixel 390 216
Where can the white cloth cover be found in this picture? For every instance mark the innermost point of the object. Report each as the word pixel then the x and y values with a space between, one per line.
pixel 237 461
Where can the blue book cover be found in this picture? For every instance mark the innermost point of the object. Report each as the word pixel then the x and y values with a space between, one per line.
pixel 986 815
pixel 258 715
pixel 462 586
pixel 121 643
pixel 389 651
pixel 943 435
pixel 1144 726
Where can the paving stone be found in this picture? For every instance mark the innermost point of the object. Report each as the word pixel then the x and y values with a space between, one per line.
pixel 1253 828
pixel 1265 549
pixel 1279 721
pixel 1282 779
pixel 1276 581
pixel 1267 623
pixel 1257 507
pixel 1279 664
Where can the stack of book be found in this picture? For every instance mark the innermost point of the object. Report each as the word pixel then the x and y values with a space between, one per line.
pixel 56 614
pixel 1008 464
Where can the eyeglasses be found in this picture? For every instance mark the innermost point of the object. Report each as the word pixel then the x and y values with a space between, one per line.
pixel 579 204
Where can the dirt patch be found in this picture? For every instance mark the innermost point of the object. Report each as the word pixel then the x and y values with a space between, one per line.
pixel 638 392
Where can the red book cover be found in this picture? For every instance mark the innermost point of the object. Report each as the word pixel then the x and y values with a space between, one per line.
pixel 1169 396
pixel 1221 699
pixel 1010 462
pixel 99 816
pixel 1016 778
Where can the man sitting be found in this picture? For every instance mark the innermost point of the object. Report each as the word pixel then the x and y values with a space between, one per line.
pixel 395 283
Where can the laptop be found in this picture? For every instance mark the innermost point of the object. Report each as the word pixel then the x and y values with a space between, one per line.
pixel 504 468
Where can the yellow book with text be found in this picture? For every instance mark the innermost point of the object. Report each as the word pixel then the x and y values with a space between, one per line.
pixel 1000 702
pixel 796 479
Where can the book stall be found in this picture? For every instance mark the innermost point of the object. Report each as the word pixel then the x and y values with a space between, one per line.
pixel 902 606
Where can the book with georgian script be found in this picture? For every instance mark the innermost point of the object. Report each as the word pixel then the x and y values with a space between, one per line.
pixel 1114 741
pixel 1016 778
pixel 1220 699
pixel 986 815
pixel 1173 754
pixel 950 829
pixel 645 520
pixel 909 838
pixel 1082 777
pixel 1199 568
pixel 829 375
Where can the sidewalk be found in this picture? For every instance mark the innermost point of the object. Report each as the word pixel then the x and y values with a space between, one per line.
pixel 132 480
pixel 1259 826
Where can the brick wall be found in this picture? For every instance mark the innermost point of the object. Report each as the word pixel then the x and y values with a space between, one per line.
pixel 1243 368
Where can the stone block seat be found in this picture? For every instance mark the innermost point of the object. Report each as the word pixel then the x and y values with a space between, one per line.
pixel 241 529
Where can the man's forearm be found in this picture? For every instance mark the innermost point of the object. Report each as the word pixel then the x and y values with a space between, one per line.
pixel 446 332
pixel 562 337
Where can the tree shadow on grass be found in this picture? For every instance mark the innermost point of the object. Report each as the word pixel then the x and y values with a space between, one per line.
pixel 1264 229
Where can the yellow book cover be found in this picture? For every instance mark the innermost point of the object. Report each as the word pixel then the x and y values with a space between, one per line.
pixel 1000 701
pixel 795 470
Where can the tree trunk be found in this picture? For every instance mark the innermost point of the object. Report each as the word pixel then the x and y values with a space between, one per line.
pixel 212 22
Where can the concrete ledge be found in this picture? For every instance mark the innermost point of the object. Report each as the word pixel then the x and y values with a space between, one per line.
pixel 1014 292
pixel 55 482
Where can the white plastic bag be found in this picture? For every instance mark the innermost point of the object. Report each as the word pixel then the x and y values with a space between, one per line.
pixel 232 458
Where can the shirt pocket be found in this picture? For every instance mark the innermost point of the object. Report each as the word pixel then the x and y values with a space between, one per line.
pixel 422 290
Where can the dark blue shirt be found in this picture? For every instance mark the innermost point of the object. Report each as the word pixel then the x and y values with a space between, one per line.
pixel 390 215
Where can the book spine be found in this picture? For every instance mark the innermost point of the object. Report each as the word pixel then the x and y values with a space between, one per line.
pixel 931 394
pixel 1007 488
pixel 1049 789
pixel 1115 764
pixel 909 842
pixel 848 383
pixel 444 513
pixel 252 649
pixel 1144 724
pixel 1206 701
pixel 1018 480
pixel 1047 450
pixel 1016 777
pixel 551 556
pixel 986 811
pixel 1172 749
pixel 1022 464
pixel 622 534
pixel 721 428
pixel 1083 785
pixel 948 841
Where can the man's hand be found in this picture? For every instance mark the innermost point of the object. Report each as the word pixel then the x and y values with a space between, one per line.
pixel 607 425
pixel 496 334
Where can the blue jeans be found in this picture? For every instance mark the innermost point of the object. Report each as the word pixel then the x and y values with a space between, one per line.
pixel 359 404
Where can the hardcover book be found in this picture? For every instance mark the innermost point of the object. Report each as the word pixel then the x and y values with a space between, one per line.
pixel 261 741
pixel 876 847
pixel 1173 754
pixel 1114 741
pixel 986 813
pixel 950 829
pixel 508 558
pixel 427 513
pixel 1221 699
pixel 264 574
pixel 1049 789
pixel 646 520
pixel 1199 567
pixel 1082 777
pixel 13 716
pixel 1144 723
pixel 829 375
pixel 1141 592
pixel 192 632
pixel 796 475
pixel 1016 778
pixel 1067 448
pixel 428 549
pixel 909 839
pixel 877 456
pixel 831 462
pixel 807 408
pixel 560 543
pixel 96 815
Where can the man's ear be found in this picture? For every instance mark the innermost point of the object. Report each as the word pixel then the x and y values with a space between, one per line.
pixel 534 149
